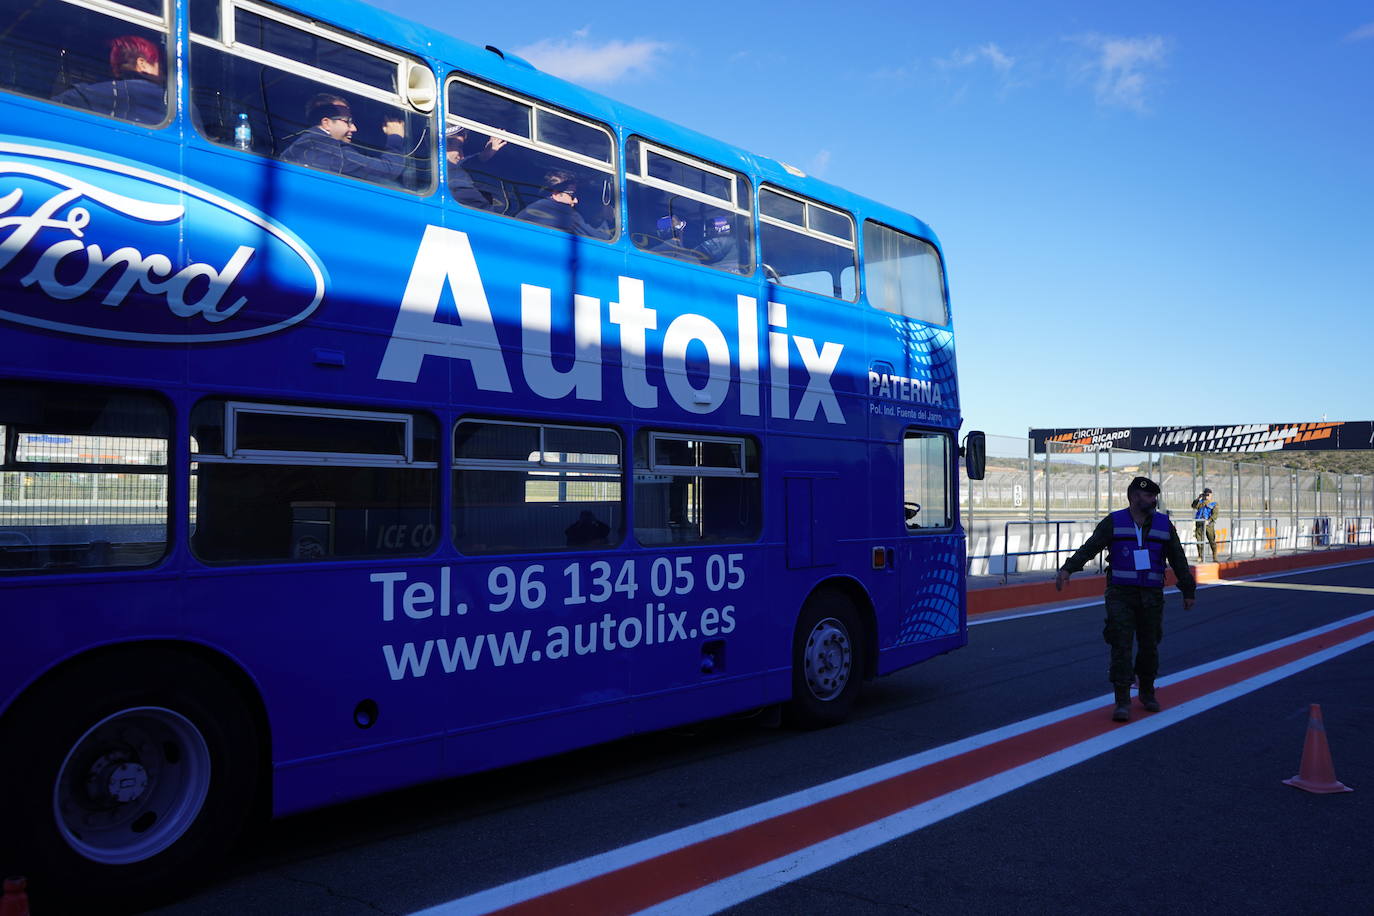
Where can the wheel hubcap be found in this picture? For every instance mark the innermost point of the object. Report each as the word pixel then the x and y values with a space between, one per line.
pixel 132 785
pixel 828 660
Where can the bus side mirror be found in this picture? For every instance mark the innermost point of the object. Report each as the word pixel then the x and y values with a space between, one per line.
pixel 975 452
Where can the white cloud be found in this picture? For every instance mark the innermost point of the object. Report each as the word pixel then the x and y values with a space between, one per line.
pixel 1124 68
pixel 1363 32
pixel 585 61
pixel 898 74
pixel 988 52
pixel 819 163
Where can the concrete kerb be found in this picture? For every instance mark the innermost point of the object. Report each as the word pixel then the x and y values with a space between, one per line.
pixel 989 596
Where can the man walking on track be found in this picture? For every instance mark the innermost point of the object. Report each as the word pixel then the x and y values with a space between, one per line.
pixel 1140 540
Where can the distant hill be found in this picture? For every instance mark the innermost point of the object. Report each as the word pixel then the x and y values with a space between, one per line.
pixel 1355 461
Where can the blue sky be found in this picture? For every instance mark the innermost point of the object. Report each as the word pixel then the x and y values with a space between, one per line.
pixel 1151 214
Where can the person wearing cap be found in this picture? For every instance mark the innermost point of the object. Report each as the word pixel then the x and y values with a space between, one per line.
pixel 327 144
pixel 719 247
pixel 1139 540
pixel 669 229
pixel 460 183
pixel 558 208
pixel 1205 522
pixel 135 94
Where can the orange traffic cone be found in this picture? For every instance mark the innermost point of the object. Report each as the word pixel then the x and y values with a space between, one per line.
pixel 1316 774
pixel 16 899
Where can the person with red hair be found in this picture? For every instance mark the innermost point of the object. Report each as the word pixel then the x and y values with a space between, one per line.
pixel 135 94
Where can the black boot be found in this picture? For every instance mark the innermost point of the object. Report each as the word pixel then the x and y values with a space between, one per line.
pixel 1147 695
pixel 1122 713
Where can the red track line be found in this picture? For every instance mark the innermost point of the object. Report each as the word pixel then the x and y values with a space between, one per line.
pixel 644 884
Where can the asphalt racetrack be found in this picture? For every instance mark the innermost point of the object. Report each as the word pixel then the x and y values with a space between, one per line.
pixel 986 781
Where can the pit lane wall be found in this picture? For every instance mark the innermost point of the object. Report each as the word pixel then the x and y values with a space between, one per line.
pixel 997 598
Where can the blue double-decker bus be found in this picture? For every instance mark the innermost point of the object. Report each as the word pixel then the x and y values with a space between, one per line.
pixel 375 409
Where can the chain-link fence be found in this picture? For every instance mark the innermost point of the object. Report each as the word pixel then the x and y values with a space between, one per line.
pixel 1033 509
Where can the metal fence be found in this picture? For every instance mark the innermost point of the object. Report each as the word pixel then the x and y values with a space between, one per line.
pixel 1033 509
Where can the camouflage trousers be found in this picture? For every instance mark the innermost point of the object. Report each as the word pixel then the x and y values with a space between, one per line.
pixel 1204 531
pixel 1134 615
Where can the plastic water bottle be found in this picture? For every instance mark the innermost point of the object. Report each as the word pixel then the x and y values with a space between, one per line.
pixel 243 134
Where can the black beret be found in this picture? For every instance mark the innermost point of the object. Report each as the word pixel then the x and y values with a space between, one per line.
pixel 1146 484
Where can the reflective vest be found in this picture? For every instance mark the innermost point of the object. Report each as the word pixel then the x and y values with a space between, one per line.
pixel 1204 511
pixel 1128 540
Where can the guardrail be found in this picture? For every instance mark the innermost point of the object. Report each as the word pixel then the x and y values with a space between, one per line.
pixel 1268 524
pixel 1058 549
pixel 1359 529
pixel 1273 534
pixel 1313 536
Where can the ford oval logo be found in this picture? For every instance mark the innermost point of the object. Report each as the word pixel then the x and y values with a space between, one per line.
pixel 104 249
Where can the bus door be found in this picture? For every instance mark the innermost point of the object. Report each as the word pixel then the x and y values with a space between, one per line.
pixel 929 558
pixel 812 511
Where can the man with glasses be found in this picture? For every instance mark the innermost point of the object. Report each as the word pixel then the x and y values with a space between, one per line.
pixel 327 144
pixel 558 208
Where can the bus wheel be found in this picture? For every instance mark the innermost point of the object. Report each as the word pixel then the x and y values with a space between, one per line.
pixel 827 661
pixel 129 776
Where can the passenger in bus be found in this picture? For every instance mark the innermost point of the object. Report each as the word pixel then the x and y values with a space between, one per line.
pixel 460 183
pixel 587 531
pixel 669 229
pixel 327 144
pixel 135 94
pixel 719 248
pixel 559 207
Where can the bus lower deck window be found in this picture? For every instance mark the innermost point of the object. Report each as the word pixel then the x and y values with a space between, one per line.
pixel 83 478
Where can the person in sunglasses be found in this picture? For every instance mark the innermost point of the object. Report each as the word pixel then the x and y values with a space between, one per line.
pixel 558 207
pixel 327 144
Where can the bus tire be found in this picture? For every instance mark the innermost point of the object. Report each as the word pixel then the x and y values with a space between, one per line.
pixel 124 779
pixel 827 661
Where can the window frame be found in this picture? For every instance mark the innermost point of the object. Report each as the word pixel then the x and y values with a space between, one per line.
pixel 641 177
pixel 683 470
pixel 235 455
pixel 807 202
pixel 511 464
pixel 343 84
pixel 128 13
pixel 612 168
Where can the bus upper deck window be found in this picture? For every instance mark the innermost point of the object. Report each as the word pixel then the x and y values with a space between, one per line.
pixel 270 82
pixel 518 157
pixel 111 61
pixel 902 274
pixel 688 209
pixel 806 245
